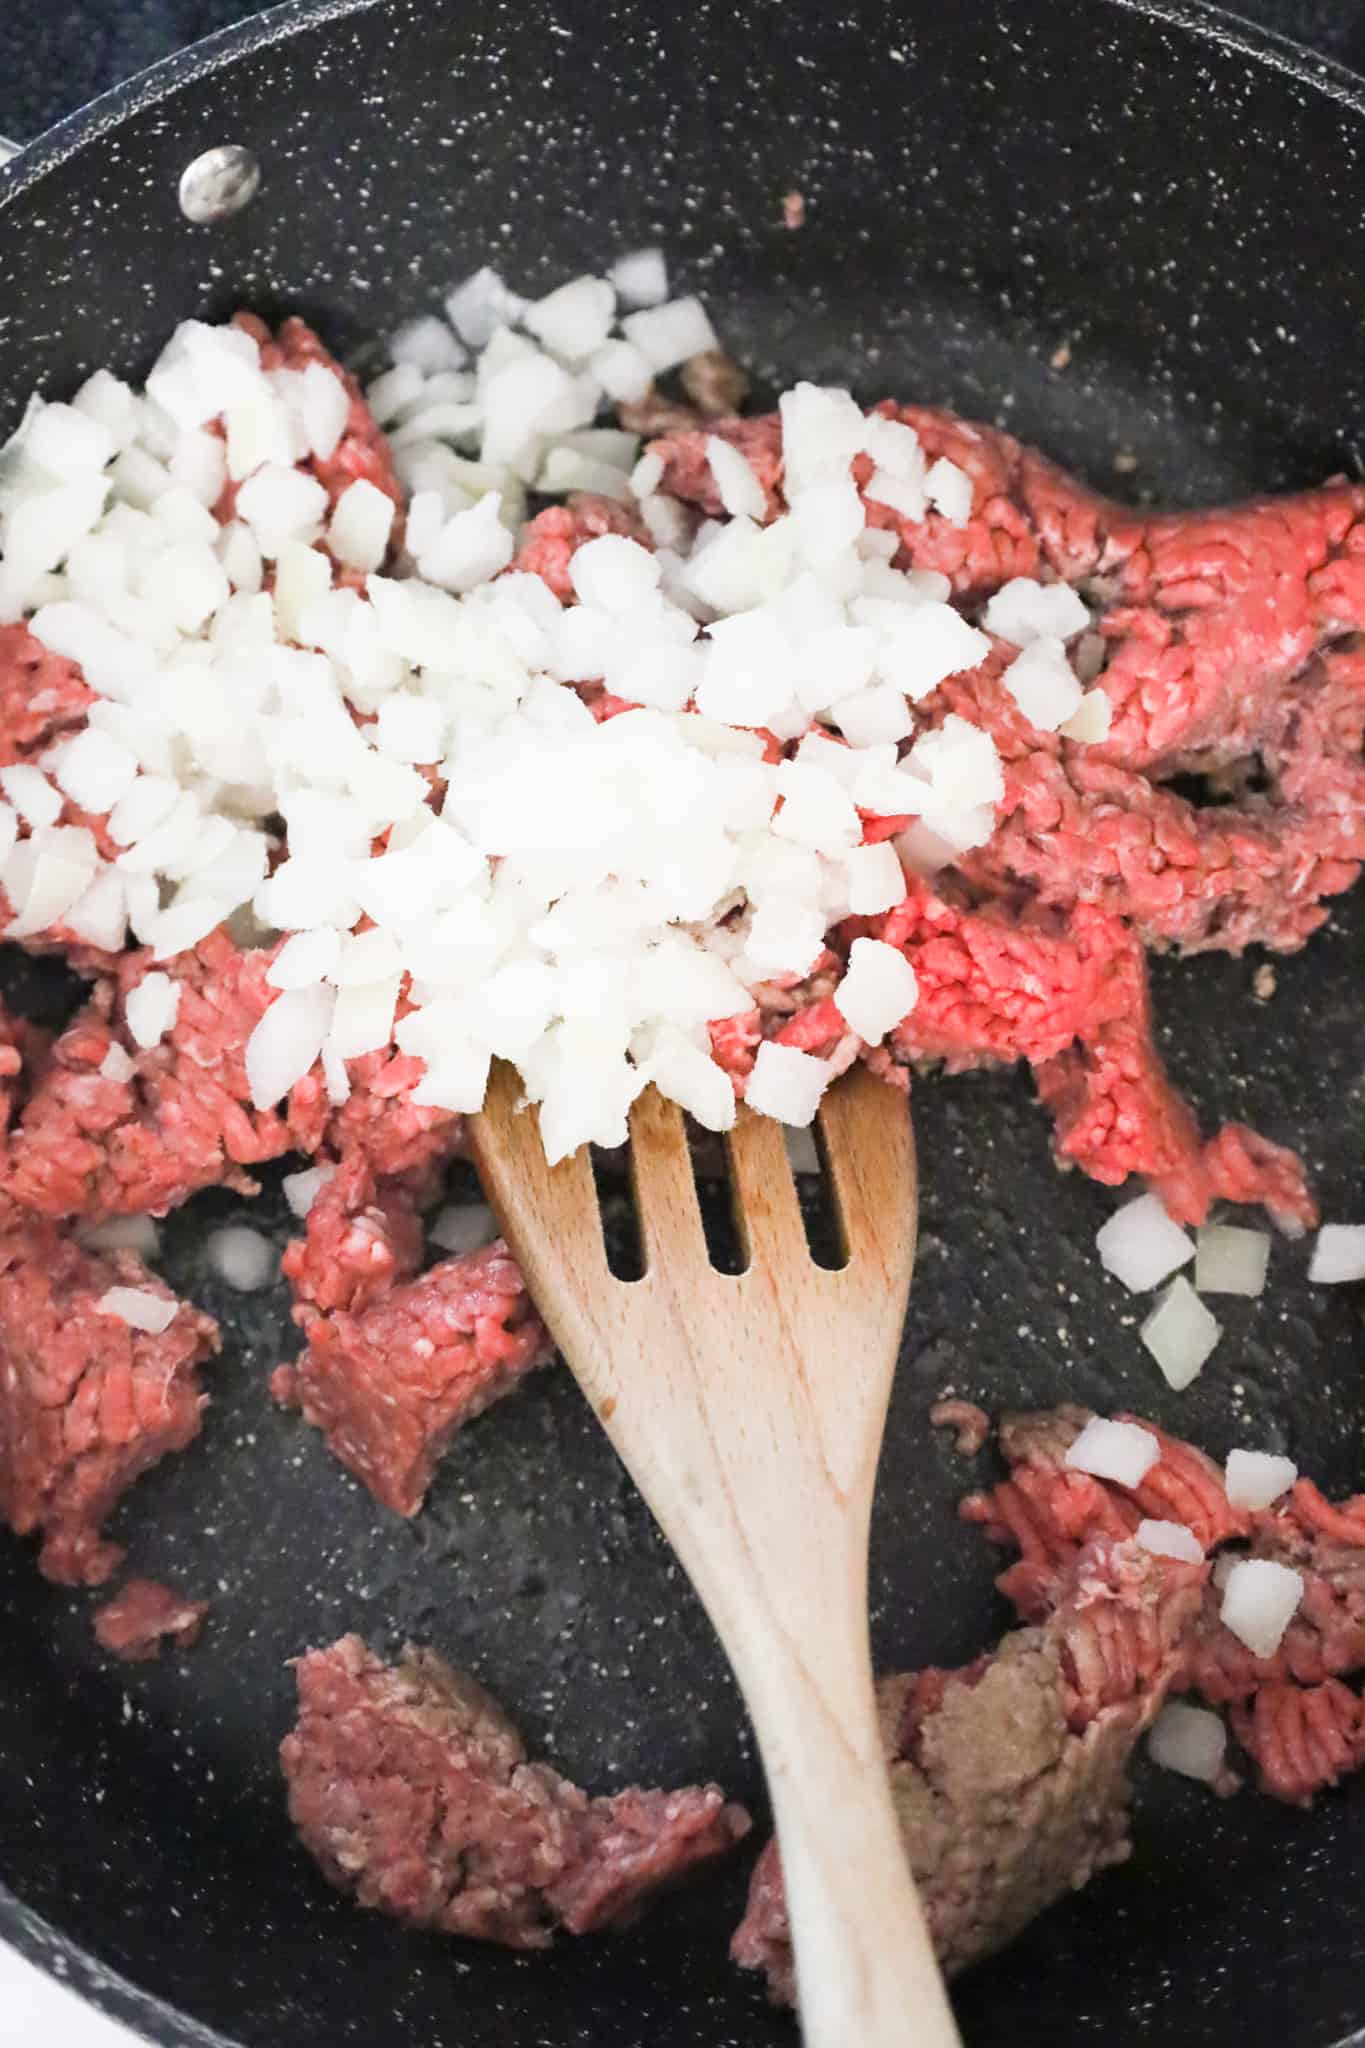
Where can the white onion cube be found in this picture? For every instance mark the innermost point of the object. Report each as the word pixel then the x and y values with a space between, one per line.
pixel 1141 1246
pixel 359 533
pixel 669 334
pixel 877 991
pixel 1189 1740
pixel 1230 1260
pixel 1180 1333
pixel 151 1008
pixel 1260 1599
pixel 1338 1254
pixel 1170 1539
pixel 1256 1479
pixel 787 1084
pixel 1121 1451
pixel 1023 610
pixel 949 491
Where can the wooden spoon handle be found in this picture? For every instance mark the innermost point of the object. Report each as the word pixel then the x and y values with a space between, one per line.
pixel 866 1971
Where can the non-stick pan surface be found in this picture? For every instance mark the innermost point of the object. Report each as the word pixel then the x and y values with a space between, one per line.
pixel 1184 203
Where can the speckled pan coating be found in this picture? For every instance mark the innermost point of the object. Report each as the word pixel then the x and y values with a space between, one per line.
pixel 1185 204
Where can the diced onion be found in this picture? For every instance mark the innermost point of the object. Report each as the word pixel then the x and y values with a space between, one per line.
pixel 1260 1599
pixel 242 1257
pixel 1121 1451
pixel 1189 1740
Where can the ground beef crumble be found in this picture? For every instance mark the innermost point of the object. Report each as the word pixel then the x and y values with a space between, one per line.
pixel 1226 642
pixel 1300 1726
pixel 142 1616
pixel 394 1362
pixel 1010 1777
pixel 412 1790
pixel 87 1404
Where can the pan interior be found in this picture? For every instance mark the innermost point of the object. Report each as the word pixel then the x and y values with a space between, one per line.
pixel 982 185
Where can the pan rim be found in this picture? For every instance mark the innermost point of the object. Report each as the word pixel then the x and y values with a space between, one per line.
pixel 31 1935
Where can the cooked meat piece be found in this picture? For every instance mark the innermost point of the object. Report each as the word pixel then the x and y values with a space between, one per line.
pixel 1305 1733
pixel 412 1790
pixel 1010 1778
pixel 390 1384
pixel 655 414
pixel 972 1424
pixel 142 1616
pixel 715 383
pixel 87 1404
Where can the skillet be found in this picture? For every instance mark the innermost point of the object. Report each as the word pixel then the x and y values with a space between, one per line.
pixel 1181 199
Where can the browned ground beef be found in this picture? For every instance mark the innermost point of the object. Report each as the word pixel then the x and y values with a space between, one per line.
pixel 1010 1777
pixel 413 1791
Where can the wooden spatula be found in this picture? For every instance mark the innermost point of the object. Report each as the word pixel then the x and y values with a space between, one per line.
pixel 749 1411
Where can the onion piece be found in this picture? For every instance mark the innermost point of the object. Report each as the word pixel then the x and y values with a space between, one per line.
pixel 1190 1741
pixel 1180 1333
pixel 1257 1479
pixel 1230 1260
pixel 1260 1599
pixel 139 1308
pixel 1338 1254
pixel 462 1227
pixel 242 1257
pixel 1121 1451
pixel 1141 1246
pixel 1169 1539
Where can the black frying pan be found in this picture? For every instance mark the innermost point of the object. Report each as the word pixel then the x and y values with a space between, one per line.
pixel 1185 201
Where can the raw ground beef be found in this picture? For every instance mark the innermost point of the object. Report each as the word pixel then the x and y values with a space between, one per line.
pixel 142 1616
pixel 43 696
pixel 412 1790
pixel 1302 1728
pixel 87 1404
pixel 393 1364
pixel 89 1146
pixel 1226 647
pixel 1010 1777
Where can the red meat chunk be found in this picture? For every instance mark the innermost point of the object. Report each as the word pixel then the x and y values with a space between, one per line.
pixel 1302 1738
pixel 92 1146
pixel 1010 1777
pixel 142 1616
pixel 412 1790
pixel 43 696
pixel 1220 632
pixel 1301 1728
pixel 390 1383
pixel 381 1122
pixel 359 1239
pixel 87 1404
pixel 1068 994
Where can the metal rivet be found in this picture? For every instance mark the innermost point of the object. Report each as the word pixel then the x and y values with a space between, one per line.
pixel 219 183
